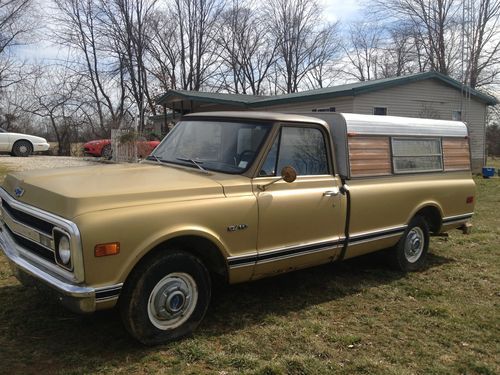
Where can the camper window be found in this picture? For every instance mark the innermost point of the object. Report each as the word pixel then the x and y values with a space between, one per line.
pixel 416 155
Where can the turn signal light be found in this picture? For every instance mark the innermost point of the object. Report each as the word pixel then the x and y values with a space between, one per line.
pixel 469 199
pixel 105 249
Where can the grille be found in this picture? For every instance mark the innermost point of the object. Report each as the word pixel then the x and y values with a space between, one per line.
pixel 33 247
pixel 28 219
pixel 29 241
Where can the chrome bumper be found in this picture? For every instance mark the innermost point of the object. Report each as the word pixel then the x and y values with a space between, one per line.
pixel 78 298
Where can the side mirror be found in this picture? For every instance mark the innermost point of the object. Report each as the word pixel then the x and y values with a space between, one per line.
pixel 288 174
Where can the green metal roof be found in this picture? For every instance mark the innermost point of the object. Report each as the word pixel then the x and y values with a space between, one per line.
pixel 210 97
pixel 350 89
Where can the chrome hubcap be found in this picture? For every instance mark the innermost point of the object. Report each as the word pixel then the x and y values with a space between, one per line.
pixel 172 300
pixel 414 244
pixel 23 149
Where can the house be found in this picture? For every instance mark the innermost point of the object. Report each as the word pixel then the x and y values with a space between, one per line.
pixel 424 95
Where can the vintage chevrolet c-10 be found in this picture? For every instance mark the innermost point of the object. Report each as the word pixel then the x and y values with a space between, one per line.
pixel 241 195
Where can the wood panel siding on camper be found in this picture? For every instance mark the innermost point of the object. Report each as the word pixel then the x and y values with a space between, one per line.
pixel 456 154
pixel 430 99
pixel 369 156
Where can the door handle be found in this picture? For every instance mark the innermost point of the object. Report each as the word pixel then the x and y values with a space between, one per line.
pixel 331 193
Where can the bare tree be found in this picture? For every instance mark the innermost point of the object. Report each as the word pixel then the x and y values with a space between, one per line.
pixel 53 95
pixel 79 28
pixel 363 50
pixel 16 24
pixel 399 53
pixel 128 29
pixel 13 22
pixel 248 49
pixel 482 40
pixel 301 36
pixel 455 37
pixel 195 23
pixel 434 24
pixel 164 50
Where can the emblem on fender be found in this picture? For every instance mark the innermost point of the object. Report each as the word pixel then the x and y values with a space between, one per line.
pixel 234 228
pixel 19 191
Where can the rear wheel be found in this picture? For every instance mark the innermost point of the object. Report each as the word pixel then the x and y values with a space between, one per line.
pixel 165 298
pixel 107 152
pixel 410 253
pixel 22 148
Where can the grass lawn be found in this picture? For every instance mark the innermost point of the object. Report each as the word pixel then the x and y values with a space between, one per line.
pixel 353 317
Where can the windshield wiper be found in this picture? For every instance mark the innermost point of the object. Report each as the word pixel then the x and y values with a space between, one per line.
pixel 194 162
pixel 155 158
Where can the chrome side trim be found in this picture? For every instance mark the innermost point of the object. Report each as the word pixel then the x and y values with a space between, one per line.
pixel 294 251
pixel 363 237
pixel 67 225
pixel 457 218
pixel 283 253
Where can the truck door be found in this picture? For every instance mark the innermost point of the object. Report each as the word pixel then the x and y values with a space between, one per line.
pixel 300 223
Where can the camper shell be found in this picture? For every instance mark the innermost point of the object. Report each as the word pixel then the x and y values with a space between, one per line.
pixel 369 146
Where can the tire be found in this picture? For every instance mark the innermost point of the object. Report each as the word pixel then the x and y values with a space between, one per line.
pixel 165 298
pixel 22 149
pixel 107 152
pixel 410 253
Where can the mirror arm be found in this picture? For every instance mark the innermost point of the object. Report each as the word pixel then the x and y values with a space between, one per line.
pixel 263 187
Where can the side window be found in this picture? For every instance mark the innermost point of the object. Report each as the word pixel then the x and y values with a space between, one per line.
pixel 416 155
pixel 380 111
pixel 302 148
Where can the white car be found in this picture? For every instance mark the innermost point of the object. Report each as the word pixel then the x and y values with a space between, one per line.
pixel 18 144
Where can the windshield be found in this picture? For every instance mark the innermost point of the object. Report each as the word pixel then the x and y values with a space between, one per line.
pixel 222 146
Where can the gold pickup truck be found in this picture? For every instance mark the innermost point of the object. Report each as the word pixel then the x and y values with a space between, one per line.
pixel 242 195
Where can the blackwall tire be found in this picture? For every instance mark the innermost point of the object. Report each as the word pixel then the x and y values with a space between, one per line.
pixel 107 152
pixel 165 298
pixel 410 253
pixel 22 149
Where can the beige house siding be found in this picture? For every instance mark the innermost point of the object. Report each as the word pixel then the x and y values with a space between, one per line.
pixel 430 99
pixel 344 104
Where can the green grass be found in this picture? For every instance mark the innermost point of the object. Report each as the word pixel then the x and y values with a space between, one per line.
pixel 353 317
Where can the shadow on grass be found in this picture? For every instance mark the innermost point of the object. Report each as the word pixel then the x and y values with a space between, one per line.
pixel 39 336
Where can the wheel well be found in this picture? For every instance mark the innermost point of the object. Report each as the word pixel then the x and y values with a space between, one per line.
pixel 23 140
pixel 202 248
pixel 433 218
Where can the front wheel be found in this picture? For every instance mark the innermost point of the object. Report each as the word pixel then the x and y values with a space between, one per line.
pixel 165 298
pixel 410 253
pixel 22 148
pixel 107 152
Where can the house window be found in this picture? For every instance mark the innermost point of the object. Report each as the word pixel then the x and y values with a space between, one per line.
pixel 456 115
pixel 380 111
pixel 330 109
pixel 416 155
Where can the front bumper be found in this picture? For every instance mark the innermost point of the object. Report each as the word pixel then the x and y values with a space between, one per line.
pixel 78 298
pixel 40 147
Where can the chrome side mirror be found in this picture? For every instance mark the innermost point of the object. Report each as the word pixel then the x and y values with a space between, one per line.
pixel 288 174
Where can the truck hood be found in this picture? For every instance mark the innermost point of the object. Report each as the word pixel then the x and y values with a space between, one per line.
pixel 69 192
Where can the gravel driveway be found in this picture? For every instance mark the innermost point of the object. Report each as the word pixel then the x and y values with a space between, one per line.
pixel 43 162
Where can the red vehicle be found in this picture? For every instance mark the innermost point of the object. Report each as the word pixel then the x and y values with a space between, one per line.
pixel 102 148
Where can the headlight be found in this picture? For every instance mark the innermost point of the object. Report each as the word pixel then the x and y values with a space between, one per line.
pixel 64 250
